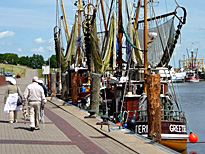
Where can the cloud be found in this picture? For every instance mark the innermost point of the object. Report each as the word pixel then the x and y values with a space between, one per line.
pixel 39 41
pixel 50 48
pixel 51 41
pixel 6 44
pixel 6 34
pixel 19 50
pixel 40 49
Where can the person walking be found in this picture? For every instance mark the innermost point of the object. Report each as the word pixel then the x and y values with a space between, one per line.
pixel 10 99
pixel 40 82
pixel 34 94
pixel 41 114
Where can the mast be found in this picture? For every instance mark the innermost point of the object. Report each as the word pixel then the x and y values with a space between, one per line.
pixel 137 14
pixel 103 11
pixel 74 74
pixel 192 59
pixel 145 46
pixel 120 36
pixel 79 29
pixel 65 21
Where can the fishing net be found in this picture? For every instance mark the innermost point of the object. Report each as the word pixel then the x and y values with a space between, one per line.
pixel 163 38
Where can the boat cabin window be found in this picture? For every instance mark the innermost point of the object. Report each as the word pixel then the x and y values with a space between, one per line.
pixel 162 89
pixel 83 74
pixel 137 89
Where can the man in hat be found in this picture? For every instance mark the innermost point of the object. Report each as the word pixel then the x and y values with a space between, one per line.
pixel 34 94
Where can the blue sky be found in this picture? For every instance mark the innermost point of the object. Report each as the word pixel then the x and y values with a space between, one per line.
pixel 26 27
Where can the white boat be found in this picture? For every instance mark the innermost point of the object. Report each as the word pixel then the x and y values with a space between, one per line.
pixel 178 76
pixel 172 75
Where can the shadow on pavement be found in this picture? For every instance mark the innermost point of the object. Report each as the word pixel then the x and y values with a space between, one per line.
pixel 3 121
pixel 25 128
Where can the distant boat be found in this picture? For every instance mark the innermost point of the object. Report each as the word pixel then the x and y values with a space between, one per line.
pixel 192 74
pixel 179 76
pixel 192 77
pixel 202 75
pixel 172 75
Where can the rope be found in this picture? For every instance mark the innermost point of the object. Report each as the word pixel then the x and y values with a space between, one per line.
pixel 128 39
pixel 126 80
pixel 176 3
pixel 179 100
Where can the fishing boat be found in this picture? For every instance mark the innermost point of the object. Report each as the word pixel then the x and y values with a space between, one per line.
pixel 131 111
pixel 125 82
pixel 192 70
pixel 126 94
pixel 192 77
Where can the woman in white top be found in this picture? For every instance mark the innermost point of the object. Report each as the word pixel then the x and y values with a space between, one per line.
pixel 10 100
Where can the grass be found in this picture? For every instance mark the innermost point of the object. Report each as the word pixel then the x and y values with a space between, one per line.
pixel 15 69
pixel 40 72
pixel 20 69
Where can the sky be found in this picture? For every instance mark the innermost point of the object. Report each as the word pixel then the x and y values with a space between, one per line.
pixel 26 27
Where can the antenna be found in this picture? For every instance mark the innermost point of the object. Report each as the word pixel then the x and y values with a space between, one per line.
pixel 187 52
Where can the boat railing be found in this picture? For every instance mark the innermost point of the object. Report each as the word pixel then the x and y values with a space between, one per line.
pixel 172 115
pixel 168 115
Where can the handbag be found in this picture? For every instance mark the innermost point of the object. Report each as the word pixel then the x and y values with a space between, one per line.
pixel 19 101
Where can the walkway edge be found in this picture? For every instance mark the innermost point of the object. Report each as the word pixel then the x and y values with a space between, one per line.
pixel 143 142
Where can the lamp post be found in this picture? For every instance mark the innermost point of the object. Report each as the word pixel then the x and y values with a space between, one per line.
pixel 49 61
pixel 12 65
pixel 49 68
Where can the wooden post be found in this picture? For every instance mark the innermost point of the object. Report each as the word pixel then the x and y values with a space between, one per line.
pixel 53 84
pixel 154 107
pixel 69 78
pixel 74 90
pixel 95 92
pixel 49 82
pixel 64 88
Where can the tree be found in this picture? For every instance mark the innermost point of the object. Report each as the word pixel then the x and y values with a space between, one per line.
pixel 36 61
pixel 53 61
pixel 23 60
pixel 11 58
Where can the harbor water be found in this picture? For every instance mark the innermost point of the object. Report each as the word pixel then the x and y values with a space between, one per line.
pixel 192 96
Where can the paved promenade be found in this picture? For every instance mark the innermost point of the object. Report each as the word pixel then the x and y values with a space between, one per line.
pixel 66 131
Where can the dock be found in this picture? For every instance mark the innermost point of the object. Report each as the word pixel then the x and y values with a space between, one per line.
pixel 65 130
